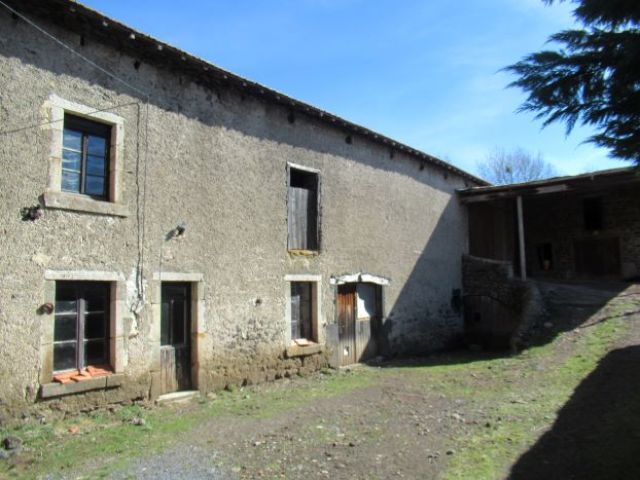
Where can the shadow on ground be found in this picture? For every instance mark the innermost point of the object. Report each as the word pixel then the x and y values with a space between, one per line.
pixel 597 432
pixel 570 305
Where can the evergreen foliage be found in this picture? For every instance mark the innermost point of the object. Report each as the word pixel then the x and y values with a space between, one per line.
pixel 593 78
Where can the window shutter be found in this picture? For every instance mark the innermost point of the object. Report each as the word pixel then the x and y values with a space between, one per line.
pixel 298 218
pixel 311 230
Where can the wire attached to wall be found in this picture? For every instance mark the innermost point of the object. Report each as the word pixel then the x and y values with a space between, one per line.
pixel 51 122
pixel 141 188
pixel 72 50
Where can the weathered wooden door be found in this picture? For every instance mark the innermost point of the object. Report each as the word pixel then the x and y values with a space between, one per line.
pixel 358 311
pixel 175 337
pixel 346 305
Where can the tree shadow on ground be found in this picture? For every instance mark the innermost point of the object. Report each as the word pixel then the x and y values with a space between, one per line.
pixel 597 432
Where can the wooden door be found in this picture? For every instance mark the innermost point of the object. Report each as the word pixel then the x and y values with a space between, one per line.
pixel 175 337
pixel 346 304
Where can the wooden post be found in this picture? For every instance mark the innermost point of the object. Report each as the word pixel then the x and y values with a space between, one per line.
pixel 523 265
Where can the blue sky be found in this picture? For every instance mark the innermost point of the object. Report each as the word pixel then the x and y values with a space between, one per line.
pixel 426 73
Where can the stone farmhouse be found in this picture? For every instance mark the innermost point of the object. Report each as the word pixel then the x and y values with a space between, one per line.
pixel 169 226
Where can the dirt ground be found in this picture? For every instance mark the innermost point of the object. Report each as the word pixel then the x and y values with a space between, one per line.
pixel 567 409
pixel 392 429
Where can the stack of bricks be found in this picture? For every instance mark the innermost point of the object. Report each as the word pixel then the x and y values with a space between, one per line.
pixel 81 375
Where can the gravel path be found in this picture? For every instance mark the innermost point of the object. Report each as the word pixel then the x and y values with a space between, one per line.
pixel 184 462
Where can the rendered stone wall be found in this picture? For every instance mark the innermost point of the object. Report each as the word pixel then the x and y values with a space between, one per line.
pixel 215 160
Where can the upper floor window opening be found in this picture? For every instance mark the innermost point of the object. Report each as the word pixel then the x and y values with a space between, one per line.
pixel 303 210
pixel 85 157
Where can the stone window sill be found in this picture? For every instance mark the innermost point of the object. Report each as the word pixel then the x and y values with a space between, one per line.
pixel 56 389
pixel 303 351
pixel 83 203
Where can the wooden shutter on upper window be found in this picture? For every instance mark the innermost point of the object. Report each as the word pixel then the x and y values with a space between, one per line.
pixel 298 218
pixel 303 211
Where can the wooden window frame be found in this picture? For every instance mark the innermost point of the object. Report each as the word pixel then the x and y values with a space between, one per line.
pixel 54 196
pixel 81 288
pixel 88 128
pixel 307 327
pixel 317 334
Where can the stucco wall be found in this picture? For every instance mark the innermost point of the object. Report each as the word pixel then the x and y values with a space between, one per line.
pixel 217 161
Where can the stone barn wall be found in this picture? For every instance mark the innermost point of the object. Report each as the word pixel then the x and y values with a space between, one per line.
pixel 215 159
pixel 497 305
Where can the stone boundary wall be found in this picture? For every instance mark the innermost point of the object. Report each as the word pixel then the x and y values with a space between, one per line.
pixel 497 305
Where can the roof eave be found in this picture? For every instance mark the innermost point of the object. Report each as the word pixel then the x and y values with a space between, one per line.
pixel 150 48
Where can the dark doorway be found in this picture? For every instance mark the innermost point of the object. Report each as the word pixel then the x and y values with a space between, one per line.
pixel 175 337
pixel 359 314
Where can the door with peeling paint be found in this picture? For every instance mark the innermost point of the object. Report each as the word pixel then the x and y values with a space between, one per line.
pixel 175 337
pixel 358 307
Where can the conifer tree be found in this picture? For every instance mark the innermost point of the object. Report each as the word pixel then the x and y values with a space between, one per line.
pixel 593 78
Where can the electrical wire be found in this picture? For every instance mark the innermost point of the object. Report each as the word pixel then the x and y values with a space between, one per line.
pixel 70 49
pixel 141 192
pixel 91 112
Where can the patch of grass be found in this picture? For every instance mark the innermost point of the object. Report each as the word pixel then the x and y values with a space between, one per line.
pixel 519 396
pixel 517 422
pixel 108 442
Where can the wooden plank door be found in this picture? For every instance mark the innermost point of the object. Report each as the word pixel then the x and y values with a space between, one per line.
pixel 346 304
pixel 364 347
pixel 175 337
